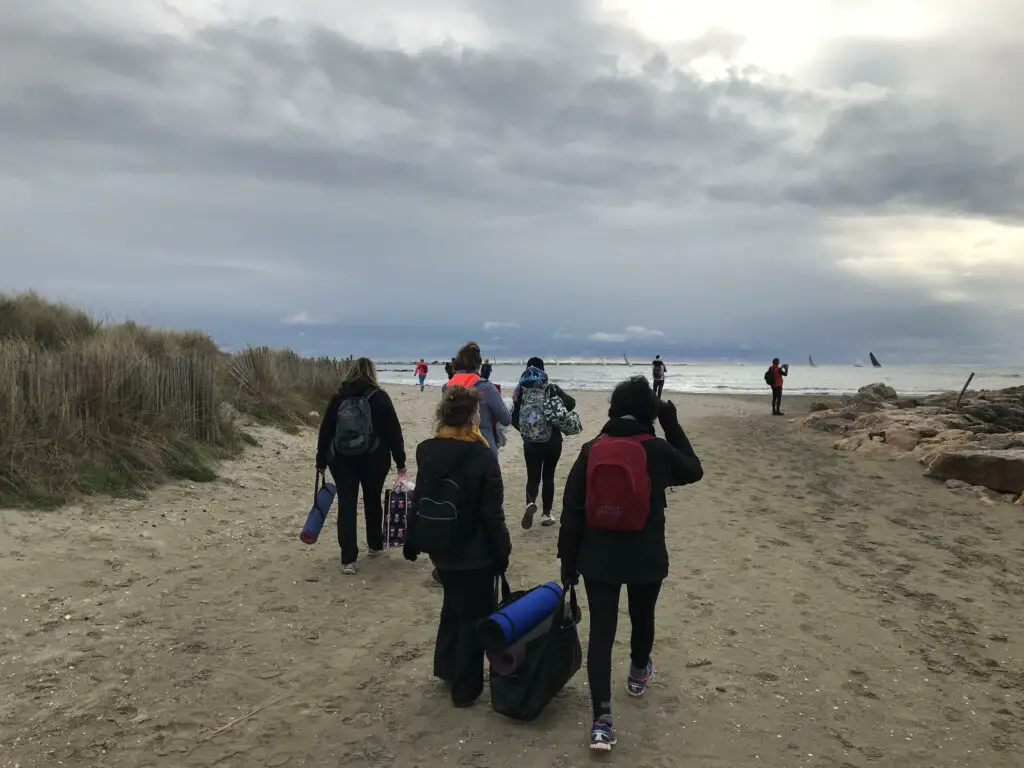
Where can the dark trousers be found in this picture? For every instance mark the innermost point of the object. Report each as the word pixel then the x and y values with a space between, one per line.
pixel 603 600
pixel 541 462
pixel 469 596
pixel 368 473
pixel 659 387
pixel 776 399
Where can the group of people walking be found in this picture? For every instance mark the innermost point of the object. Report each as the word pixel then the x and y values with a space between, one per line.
pixel 459 489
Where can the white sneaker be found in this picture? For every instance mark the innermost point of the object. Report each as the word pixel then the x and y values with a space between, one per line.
pixel 350 569
pixel 547 519
pixel 376 552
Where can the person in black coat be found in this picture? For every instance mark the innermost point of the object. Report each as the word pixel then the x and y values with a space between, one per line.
pixel 469 573
pixel 368 470
pixel 607 559
pixel 541 458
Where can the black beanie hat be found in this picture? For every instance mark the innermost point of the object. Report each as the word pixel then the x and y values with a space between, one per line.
pixel 535 362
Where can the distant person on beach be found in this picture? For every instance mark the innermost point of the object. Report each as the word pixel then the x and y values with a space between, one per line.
pixel 542 443
pixel 658 369
pixel 421 373
pixel 485 370
pixel 773 378
pixel 449 368
pixel 492 408
pixel 359 435
pixel 474 554
pixel 613 533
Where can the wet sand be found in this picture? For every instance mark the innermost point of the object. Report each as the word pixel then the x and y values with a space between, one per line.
pixel 822 610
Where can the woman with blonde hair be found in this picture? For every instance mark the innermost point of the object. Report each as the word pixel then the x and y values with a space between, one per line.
pixel 456 516
pixel 359 435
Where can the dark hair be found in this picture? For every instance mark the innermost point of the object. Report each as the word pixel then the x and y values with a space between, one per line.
pixel 775 361
pixel 535 362
pixel 458 407
pixel 634 397
pixel 468 358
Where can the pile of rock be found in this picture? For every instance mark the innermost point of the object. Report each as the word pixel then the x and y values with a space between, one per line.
pixel 977 448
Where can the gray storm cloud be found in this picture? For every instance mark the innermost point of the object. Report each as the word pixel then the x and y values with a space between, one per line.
pixel 568 176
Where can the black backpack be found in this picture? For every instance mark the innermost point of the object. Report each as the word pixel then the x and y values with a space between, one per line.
pixel 353 432
pixel 769 377
pixel 441 521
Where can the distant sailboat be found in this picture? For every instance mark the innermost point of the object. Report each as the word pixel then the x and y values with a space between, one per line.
pixel 874 360
pixel 626 359
pixel 810 360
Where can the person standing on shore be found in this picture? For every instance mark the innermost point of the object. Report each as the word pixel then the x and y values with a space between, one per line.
pixel 467 374
pixel 359 435
pixel 774 377
pixel 542 442
pixel 458 475
pixel 421 373
pixel 613 533
pixel 449 368
pixel 485 370
pixel 658 369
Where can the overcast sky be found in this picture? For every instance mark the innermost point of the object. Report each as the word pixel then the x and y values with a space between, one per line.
pixel 558 176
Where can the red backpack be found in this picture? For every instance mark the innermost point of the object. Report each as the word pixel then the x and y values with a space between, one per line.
pixel 618 486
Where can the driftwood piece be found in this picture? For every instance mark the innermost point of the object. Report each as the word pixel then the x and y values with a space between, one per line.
pixel 962 391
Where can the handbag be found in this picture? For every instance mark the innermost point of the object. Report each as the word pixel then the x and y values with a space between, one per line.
pixel 550 662
pixel 557 415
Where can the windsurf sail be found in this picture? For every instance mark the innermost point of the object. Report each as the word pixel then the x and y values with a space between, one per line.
pixel 810 361
pixel 874 360
pixel 626 359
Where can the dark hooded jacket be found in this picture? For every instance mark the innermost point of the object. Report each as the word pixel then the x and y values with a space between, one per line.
pixel 386 427
pixel 626 557
pixel 478 474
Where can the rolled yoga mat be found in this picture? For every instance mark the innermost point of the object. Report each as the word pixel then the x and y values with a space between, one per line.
pixel 513 621
pixel 506 661
pixel 322 501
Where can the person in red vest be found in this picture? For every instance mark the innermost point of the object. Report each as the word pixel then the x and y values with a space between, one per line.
pixel 774 376
pixel 613 533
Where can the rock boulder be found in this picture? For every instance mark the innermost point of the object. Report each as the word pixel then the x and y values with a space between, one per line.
pixel 1000 470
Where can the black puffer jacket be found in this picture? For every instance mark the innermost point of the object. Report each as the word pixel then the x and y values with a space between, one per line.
pixel 626 557
pixel 477 471
pixel 385 425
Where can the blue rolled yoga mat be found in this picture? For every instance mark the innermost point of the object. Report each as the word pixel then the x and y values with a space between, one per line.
pixel 513 621
pixel 323 498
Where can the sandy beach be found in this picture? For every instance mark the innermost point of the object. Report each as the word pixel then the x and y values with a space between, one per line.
pixel 822 610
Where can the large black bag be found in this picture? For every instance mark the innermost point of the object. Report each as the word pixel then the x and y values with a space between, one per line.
pixel 551 661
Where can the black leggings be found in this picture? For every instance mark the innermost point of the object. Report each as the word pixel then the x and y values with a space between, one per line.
pixel 603 600
pixel 541 462
pixel 659 387
pixel 776 399
pixel 369 474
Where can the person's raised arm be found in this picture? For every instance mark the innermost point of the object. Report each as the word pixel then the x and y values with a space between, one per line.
pixel 681 460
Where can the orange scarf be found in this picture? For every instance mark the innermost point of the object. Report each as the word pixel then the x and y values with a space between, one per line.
pixel 468 434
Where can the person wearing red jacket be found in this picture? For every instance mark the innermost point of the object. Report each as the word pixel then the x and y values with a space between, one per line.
pixel 421 372
pixel 777 372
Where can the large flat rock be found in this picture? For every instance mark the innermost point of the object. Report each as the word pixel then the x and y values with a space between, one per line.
pixel 1001 471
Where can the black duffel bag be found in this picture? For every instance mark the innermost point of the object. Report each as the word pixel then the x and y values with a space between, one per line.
pixel 550 662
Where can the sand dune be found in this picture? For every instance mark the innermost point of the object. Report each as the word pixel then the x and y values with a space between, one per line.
pixel 822 610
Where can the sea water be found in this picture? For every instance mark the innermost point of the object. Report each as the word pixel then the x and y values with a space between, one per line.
pixel 744 379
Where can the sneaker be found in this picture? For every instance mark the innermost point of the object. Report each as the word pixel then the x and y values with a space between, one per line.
pixel 547 519
pixel 636 685
pixel 531 510
pixel 349 569
pixel 376 552
pixel 602 735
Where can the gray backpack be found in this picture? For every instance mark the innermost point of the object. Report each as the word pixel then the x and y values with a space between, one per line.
pixel 353 432
pixel 533 423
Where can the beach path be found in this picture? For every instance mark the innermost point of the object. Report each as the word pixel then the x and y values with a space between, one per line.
pixel 823 610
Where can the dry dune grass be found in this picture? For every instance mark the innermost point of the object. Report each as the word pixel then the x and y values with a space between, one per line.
pixel 88 406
